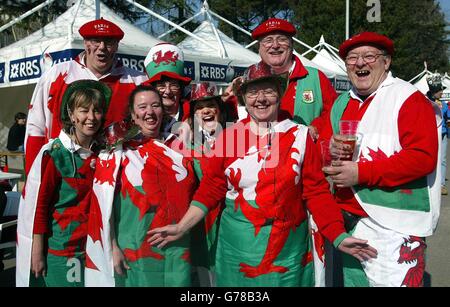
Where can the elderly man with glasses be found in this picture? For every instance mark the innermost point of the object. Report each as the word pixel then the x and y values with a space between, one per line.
pixel 309 95
pixel 389 191
pixel 97 62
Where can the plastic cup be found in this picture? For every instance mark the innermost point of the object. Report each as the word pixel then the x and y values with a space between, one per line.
pixel 326 153
pixel 348 130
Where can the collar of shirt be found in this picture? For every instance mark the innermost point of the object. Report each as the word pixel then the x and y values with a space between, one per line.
pixel 73 147
pixel 387 82
pixel 292 68
pixel 82 58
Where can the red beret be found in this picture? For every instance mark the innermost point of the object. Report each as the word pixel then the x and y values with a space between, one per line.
pixel 273 25
pixel 366 38
pixel 101 28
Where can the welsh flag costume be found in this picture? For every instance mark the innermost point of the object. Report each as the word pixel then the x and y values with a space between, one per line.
pixel 44 113
pixel 142 187
pixel 398 193
pixel 263 234
pixel 56 202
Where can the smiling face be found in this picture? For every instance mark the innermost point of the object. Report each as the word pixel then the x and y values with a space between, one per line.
pixel 262 101
pixel 170 91
pixel 100 54
pixel 147 113
pixel 87 120
pixel 207 114
pixel 367 77
pixel 276 50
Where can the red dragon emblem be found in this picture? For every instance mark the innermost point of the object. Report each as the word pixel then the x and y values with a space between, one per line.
pixel 414 276
pixel 105 171
pixel 168 57
pixel 168 201
pixel 281 210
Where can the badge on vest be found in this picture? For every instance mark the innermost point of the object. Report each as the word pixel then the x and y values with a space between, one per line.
pixel 308 96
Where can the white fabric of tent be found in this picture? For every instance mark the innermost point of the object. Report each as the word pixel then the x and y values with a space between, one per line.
pixel 329 73
pixel 326 59
pixel 422 84
pixel 62 34
pixel 234 51
pixel 446 81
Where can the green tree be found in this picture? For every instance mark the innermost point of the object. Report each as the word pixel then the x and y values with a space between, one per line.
pixel 416 27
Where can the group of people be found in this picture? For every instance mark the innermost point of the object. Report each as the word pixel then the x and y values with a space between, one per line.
pixel 131 184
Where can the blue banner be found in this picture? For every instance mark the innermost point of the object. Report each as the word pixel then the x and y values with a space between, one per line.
pixel 189 69
pixel 341 85
pixel 219 73
pixel 2 73
pixel 132 61
pixel 212 72
pixel 23 69
pixel 31 67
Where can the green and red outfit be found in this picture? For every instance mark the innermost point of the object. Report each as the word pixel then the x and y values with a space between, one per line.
pixel 62 209
pixel 263 235
pixel 156 187
pixel 396 160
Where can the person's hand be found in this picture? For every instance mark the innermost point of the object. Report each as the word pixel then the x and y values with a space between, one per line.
pixel 119 261
pixel 229 90
pixel 343 173
pixel 358 248
pixel 313 132
pixel 184 133
pixel 339 150
pixel 38 259
pixel 163 235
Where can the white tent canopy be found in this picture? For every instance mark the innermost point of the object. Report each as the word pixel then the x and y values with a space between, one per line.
pixel 24 61
pixel 21 61
pixel 328 60
pixel 233 51
pixel 327 57
pixel 421 82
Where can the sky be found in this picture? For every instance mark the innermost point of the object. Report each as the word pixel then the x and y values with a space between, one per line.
pixel 445 5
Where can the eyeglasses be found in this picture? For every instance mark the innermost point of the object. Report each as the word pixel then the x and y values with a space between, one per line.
pixel 269 93
pixel 368 58
pixel 109 42
pixel 281 40
pixel 173 86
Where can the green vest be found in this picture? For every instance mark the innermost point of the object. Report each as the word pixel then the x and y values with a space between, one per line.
pixel 308 98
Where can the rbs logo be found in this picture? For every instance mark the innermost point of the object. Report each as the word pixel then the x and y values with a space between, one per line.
pixel 210 72
pixel 28 68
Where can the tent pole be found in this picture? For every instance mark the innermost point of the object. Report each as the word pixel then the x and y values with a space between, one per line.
pixel 222 51
pixel 181 24
pixel 23 16
pixel 70 27
pixel 97 9
pixel 229 22
pixel 170 23
pixel 347 19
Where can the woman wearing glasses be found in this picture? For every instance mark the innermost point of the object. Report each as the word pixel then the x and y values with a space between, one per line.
pixel 268 170
pixel 165 68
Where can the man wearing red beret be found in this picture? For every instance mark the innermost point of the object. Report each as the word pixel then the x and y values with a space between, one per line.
pixel 309 95
pixel 97 62
pixel 389 187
